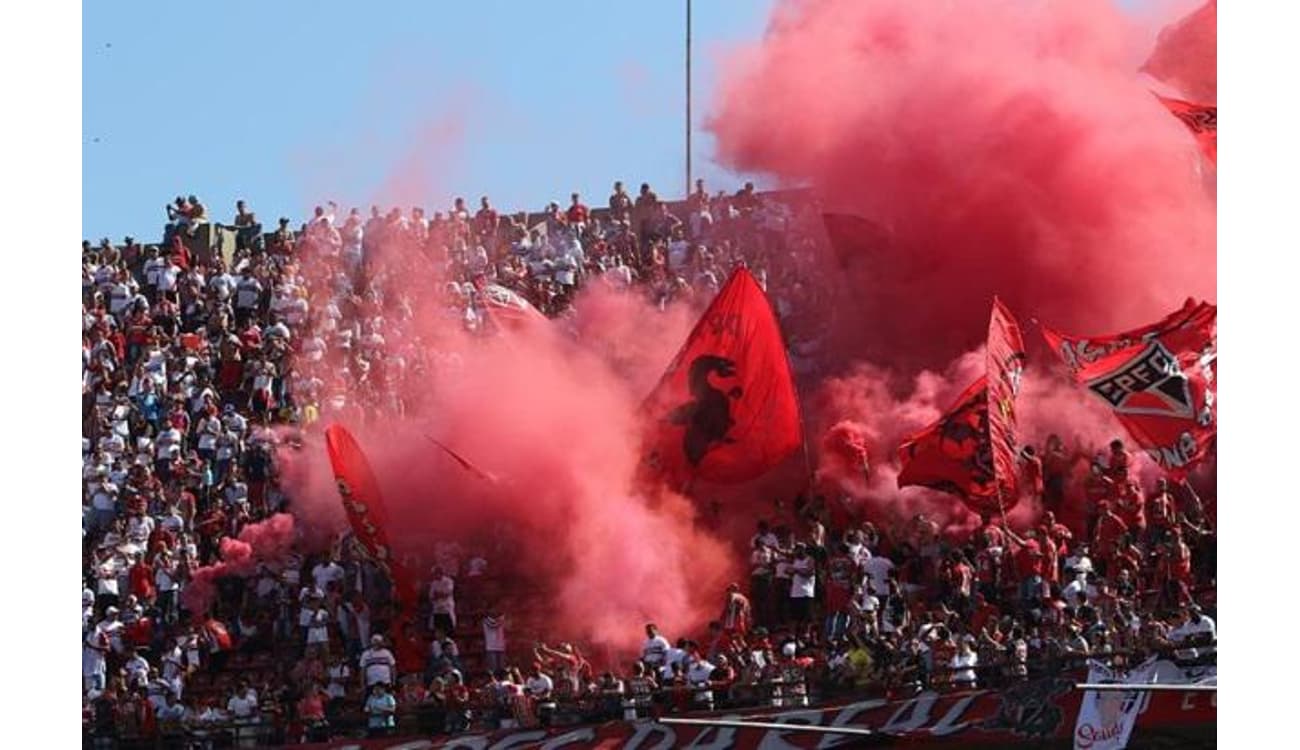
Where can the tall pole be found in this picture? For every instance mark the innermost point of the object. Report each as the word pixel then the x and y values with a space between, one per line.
pixel 688 98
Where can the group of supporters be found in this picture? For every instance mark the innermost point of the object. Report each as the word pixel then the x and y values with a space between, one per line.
pixel 200 369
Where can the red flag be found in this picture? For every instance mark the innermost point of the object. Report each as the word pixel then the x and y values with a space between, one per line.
pixel 954 454
pixel 1186 54
pixel 971 451
pixel 462 461
pixel 1005 361
pixel 365 508
pixel 508 307
pixel 1080 351
pixel 1160 386
pixel 726 409
pixel 1201 119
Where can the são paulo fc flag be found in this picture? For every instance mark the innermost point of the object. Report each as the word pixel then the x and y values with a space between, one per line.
pixel 725 410
pixel 1159 380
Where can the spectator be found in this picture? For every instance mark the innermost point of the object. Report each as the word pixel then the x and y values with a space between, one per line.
pixel 381 710
pixel 378 666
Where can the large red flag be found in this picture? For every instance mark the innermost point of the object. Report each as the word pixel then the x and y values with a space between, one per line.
pixel 1160 386
pixel 970 451
pixel 954 454
pixel 726 410
pixel 1201 119
pixel 1005 361
pixel 365 508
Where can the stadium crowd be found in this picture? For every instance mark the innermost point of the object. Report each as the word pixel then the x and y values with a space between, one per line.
pixel 198 368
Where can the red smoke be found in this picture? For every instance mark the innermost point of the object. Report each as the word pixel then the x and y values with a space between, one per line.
pixel 266 541
pixel 1008 148
pixel 555 420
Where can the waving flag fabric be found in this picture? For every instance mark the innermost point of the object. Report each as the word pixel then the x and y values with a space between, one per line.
pixel 1159 381
pixel 954 454
pixel 1005 361
pixel 725 410
pixel 365 508
pixel 970 451
pixel 1201 119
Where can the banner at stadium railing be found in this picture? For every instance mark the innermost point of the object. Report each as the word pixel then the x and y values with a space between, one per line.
pixel 1159 380
pixel 1106 718
pixel 1040 712
pixel 725 410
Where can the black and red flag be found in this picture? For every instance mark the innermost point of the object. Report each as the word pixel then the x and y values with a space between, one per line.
pixel 970 451
pixel 1159 380
pixel 1201 119
pixel 365 509
pixel 725 410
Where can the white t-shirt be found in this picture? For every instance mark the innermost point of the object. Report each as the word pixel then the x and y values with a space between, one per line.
pixel 494 634
pixel 378 665
pixel 241 706
pixel 803 578
pixel 655 650
pixel 248 292
pixel 877 569
pixel 962 664
pixel 440 595
pixel 539 686
pixel 325 573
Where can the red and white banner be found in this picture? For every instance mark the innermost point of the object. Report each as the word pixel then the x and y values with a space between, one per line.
pixel 1159 380
pixel 1106 718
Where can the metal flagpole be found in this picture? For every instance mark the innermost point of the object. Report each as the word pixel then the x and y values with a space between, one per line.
pixel 1113 687
pixel 688 98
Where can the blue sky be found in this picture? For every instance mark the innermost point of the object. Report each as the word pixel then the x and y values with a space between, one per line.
pixel 289 104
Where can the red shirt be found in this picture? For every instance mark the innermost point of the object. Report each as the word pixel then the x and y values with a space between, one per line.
pixel 962 578
pixel 1029 559
pixel 983 615
pixel 141 577
pixel 1097 488
pixel 1033 476
pixel 1051 570
pixel 1110 528
pixel 577 214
